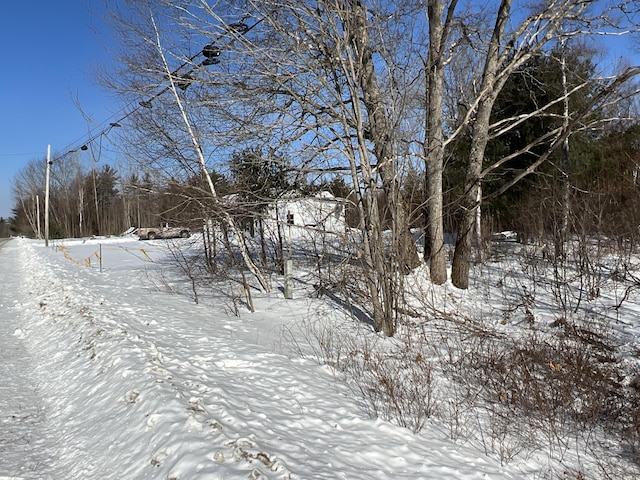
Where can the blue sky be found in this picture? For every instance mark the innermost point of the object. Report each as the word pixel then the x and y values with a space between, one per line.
pixel 49 50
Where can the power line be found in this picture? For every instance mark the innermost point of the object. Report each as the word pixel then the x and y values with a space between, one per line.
pixel 19 154
pixel 211 52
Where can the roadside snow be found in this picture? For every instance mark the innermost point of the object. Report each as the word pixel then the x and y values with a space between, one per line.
pixel 134 382
pixel 25 443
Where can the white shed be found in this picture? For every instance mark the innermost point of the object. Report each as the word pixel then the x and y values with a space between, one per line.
pixel 322 212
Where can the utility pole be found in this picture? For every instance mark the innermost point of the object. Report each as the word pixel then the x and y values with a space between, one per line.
pixel 46 198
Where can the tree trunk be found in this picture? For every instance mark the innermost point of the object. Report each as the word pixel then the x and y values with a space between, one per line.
pixel 382 137
pixel 434 143
pixel 478 226
pixel 562 235
pixel 470 203
pixel 381 269
pixel 462 255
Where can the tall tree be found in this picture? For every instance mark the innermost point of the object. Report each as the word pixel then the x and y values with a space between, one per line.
pixel 105 198
pixel 309 76
pixel 28 193
pixel 506 50
pixel 440 25
pixel 258 181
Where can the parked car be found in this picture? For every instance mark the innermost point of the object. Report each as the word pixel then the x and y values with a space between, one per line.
pixel 151 233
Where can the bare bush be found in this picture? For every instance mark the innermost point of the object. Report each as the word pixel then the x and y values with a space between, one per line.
pixel 394 379
pixel 190 262
pixel 553 390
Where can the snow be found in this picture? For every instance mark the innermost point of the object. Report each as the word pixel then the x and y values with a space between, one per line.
pixel 107 374
pixel 23 427
pixel 111 370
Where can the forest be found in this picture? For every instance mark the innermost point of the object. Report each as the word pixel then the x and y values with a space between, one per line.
pixel 605 195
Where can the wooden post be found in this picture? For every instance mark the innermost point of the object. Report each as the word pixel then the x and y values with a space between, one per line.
pixel 46 198
pixel 288 264
pixel 288 279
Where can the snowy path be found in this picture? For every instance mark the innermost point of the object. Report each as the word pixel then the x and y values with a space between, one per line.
pixel 24 448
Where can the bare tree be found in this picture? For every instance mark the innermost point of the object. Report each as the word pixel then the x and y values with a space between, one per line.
pixel 28 192
pixel 315 77
pixel 66 182
pixel 504 52
pixel 228 220
pixel 339 78
pixel 333 84
pixel 440 26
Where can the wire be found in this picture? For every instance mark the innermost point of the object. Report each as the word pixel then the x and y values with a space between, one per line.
pixel 210 52
pixel 19 154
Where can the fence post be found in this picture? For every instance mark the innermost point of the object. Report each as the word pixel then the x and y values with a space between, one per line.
pixel 288 279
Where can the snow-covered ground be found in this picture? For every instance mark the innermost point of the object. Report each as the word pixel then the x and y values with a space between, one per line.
pixel 108 375
pixel 25 442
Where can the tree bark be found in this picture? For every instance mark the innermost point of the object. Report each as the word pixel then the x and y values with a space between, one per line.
pixel 434 250
pixel 470 203
pixel 562 234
